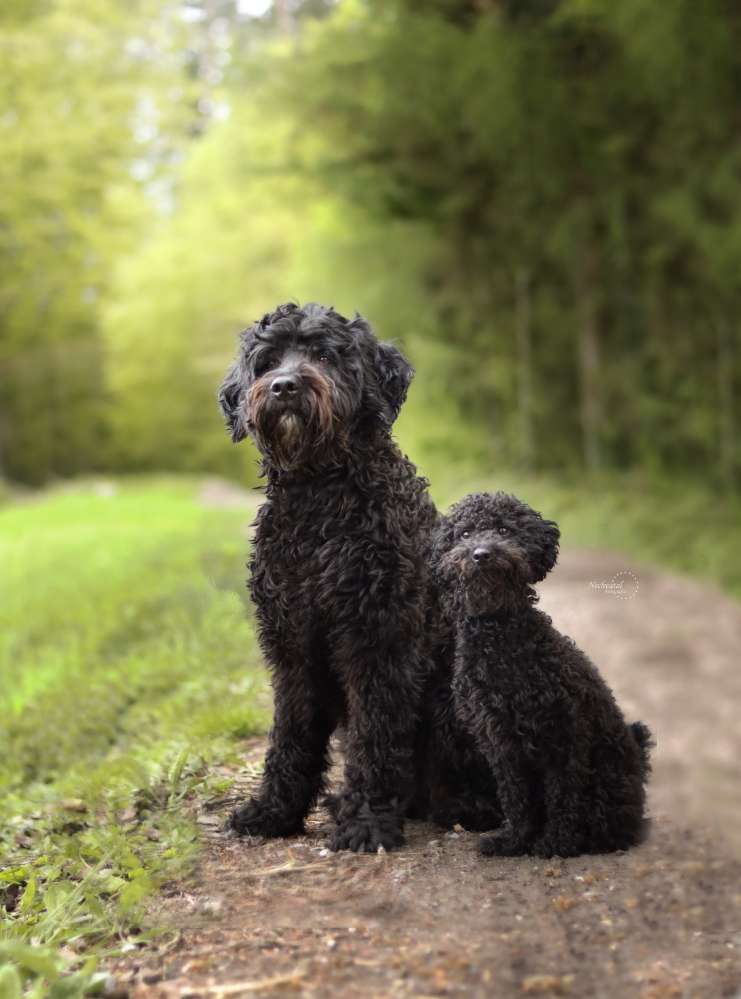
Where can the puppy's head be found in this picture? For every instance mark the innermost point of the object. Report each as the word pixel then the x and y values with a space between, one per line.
pixel 488 552
pixel 307 380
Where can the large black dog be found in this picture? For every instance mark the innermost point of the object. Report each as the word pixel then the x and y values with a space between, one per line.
pixel 339 570
pixel 570 772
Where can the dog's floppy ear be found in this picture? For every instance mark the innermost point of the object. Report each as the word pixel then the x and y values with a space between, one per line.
pixel 546 554
pixel 395 374
pixel 441 541
pixel 230 399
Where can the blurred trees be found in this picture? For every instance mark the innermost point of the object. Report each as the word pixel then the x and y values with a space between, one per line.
pixel 578 166
pixel 541 198
pixel 78 125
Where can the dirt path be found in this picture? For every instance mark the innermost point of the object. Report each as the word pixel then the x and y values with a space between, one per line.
pixel 434 919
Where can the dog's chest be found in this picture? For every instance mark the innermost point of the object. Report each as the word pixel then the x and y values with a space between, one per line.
pixel 319 559
pixel 501 663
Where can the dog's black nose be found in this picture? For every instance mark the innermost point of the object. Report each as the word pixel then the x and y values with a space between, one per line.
pixel 481 554
pixel 284 385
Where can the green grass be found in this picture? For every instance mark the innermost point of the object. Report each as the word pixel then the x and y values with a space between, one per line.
pixel 129 668
pixel 677 525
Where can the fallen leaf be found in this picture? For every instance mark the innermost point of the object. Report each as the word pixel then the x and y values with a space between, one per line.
pixel 544 984
pixel 73 805
pixel 564 902
pixel 292 981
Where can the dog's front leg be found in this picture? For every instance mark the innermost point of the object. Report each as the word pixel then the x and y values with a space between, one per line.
pixel 295 764
pixel 382 717
pixel 515 783
pixel 566 786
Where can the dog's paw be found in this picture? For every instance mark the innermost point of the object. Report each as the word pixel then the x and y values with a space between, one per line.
pixel 363 828
pixel 502 844
pixel 366 836
pixel 550 846
pixel 332 803
pixel 484 819
pixel 543 847
pixel 254 818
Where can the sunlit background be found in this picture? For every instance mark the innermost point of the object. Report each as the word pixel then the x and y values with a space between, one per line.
pixel 540 201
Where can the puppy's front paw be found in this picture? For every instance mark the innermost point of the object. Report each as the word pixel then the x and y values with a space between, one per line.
pixel 503 844
pixel 543 847
pixel 255 818
pixel 364 828
pixel 482 815
pixel 558 846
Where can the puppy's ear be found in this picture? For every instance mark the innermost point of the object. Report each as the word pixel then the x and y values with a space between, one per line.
pixel 546 552
pixel 230 399
pixel 439 543
pixel 395 374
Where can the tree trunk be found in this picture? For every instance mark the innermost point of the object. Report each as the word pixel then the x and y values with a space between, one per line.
pixel 523 323
pixel 284 17
pixel 591 413
pixel 724 377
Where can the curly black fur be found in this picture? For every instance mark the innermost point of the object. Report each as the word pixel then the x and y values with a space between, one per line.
pixel 455 784
pixel 570 773
pixel 339 569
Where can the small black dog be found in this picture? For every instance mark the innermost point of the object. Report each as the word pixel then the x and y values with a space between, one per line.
pixel 339 570
pixel 570 773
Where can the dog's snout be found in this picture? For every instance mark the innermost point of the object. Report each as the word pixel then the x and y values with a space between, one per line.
pixel 284 386
pixel 481 554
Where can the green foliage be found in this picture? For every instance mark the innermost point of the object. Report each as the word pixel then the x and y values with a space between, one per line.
pixel 539 199
pixel 233 248
pixel 95 103
pixel 579 203
pixel 129 671
pixel 66 102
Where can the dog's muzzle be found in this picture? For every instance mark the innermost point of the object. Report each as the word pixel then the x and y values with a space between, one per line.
pixel 292 412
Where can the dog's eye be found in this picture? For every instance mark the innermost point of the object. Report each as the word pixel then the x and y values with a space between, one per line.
pixel 264 363
pixel 323 358
pixel 466 535
pixel 504 530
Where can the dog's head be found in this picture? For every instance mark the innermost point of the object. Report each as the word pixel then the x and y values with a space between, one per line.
pixel 306 380
pixel 489 550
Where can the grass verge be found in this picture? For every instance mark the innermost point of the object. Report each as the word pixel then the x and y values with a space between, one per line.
pixel 129 671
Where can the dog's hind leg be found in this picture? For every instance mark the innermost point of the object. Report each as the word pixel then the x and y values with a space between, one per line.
pixel 518 793
pixel 566 786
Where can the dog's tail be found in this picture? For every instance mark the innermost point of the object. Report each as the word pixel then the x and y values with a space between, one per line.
pixel 645 742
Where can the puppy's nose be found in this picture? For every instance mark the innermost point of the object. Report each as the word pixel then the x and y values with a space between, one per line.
pixel 481 554
pixel 284 385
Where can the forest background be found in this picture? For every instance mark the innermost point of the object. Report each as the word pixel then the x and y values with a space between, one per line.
pixel 539 200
